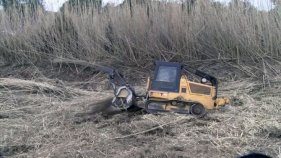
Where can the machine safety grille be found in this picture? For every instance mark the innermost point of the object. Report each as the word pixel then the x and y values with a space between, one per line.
pixel 200 89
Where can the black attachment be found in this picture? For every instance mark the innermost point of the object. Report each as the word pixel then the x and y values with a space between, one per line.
pixel 115 77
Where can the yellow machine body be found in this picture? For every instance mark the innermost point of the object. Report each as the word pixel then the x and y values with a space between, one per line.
pixel 189 92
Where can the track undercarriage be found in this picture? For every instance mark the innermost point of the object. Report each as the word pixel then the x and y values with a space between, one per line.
pixel 180 107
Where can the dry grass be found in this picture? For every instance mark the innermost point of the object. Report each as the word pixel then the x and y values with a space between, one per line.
pixel 43 124
pixel 142 32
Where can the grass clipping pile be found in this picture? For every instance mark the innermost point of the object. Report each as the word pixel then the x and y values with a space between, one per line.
pixel 47 118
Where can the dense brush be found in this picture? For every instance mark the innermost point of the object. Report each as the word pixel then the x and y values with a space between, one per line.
pixel 138 32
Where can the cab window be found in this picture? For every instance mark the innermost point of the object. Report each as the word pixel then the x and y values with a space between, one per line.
pixel 167 74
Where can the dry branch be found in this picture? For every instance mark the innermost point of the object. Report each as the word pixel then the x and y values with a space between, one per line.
pixel 154 128
pixel 36 87
pixel 75 62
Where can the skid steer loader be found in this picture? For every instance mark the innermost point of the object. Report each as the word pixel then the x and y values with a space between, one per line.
pixel 168 90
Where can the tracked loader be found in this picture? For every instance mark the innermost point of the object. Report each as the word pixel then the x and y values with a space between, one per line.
pixel 168 90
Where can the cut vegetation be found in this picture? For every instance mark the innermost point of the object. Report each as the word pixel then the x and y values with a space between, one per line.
pixel 53 108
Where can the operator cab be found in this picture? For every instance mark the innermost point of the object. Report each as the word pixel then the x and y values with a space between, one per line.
pixel 166 76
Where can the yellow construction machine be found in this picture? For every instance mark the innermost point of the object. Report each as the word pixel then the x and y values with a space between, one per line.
pixel 168 90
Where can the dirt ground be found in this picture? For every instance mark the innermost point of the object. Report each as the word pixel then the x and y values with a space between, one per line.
pixel 52 116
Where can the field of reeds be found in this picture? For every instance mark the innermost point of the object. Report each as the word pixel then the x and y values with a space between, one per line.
pixel 140 32
pixel 53 109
